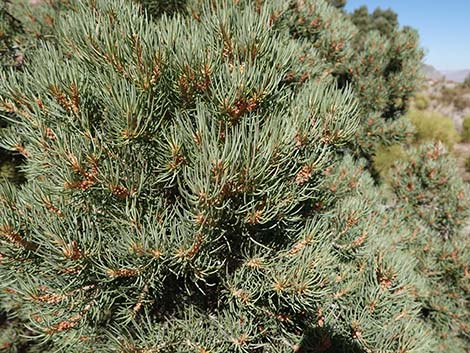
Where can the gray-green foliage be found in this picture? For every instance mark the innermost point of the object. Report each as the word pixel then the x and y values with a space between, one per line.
pixel 383 21
pixel 466 129
pixel 189 187
pixel 435 203
pixel 169 193
pixel 23 25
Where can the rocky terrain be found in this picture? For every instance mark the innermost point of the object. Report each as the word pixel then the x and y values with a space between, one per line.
pixel 448 98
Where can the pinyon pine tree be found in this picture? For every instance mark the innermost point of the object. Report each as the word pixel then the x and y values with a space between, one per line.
pixel 436 203
pixel 192 186
pixel 23 24
pixel 382 68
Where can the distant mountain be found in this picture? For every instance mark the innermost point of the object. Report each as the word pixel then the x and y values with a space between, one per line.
pixel 456 75
pixel 432 73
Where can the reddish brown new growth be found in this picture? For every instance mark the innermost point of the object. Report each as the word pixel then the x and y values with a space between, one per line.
pixel 80 185
pixel 89 177
pixel 140 300
pixel 304 175
pixel 442 180
pixel 196 246
pixel 222 127
pixel 50 134
pixel 7 106
pixel 320 318
pixel 74 98
pixel 120 191
pixel 315 22
pixel 72 251
pixel 13 237
pixel 434 153
pixel 240 341
pixel 328 170
pixel 68 103
pixel 156 72
pixel 138 51
pixel 359 240
pixel 22 150
pixel 340 293
pixel 218 170
pixel 122 273
pixel 177 156
pixel 385 278
pixel 228 47
pixel 52 208
pixel 39 103
pixel 356 331
pixel 191 82
pixel 72 270
pixel 60 97
pixel 279 285
pixel 352 220
pixel 48 298
pixel 255 217
pixel 241 295
pixel 197 137
pixel 337 46
pixel 300 245
pixel 300 140
pixel 156 253
pixel 273 17
pixel 242 106
pixel 255 263
pixel 204 83
pixel 64 325
pixel 200 219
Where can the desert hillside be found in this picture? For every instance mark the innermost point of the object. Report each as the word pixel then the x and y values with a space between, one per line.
pixel 450 100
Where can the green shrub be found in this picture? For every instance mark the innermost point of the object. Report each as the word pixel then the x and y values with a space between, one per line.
pixel 421 102
pixel 456 96
pixel 431 126
pixel 386 156
pixel 435 202
pixel 467 164
pixel 466 82
pixel 428 182
pixel 466 129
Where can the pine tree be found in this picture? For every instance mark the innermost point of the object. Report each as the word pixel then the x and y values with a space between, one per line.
pixel 436 203
pixel 23 25
pixel 193 184
pixel 338 3
pixel 382 68
pixel 10 29
pixel 384 21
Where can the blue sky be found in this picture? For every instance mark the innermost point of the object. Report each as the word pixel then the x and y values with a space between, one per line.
pixel 444 27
